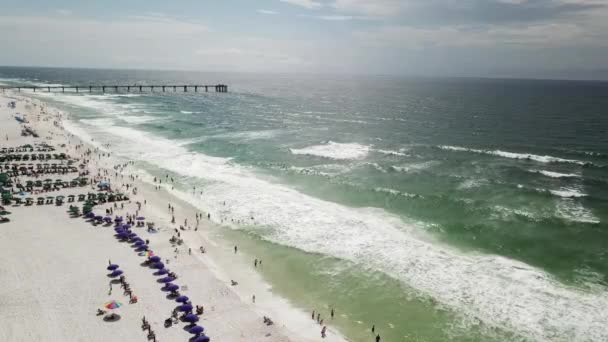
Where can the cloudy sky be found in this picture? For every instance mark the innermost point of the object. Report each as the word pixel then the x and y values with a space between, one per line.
pixel 517 38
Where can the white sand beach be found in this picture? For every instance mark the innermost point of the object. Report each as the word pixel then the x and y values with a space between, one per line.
pixel 53 266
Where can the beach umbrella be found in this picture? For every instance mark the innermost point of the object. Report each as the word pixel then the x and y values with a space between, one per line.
pixel 112 267
pixel 158 265
pixel 170 287
pixel 118 219
pixel 201 339
pixel 161 272
pixel 185 308
pixel 108 219
pixel 90 215
pixel 139 243
pixel 196 330
pixel 103 183
pixel 112 305
pixel 140 218
pixel 116 273
pixel 132 235
pixel 166 279
pixel 155 259
pixel 98 218
pixel 142 248
pixel 146 254
pixel 182 299
pixel 191 318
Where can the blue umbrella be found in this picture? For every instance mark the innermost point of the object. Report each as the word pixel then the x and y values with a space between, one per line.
pixel 161 272
pixel 140 218
pixel 142 248
pixel 119 229
pixel 191 318
pixel 90 214
pixel 99 218
pixel 155 259
pixel 125 226
pixel 182 299
pixel 171 287
pixel 185 308
pixel 159 265
pixel 116 273
pixel 196 330
pixel 103 183
pixel 201 339
pixel 112 267
pixel 132 235
pixel 118 219
pixel 166 279
pixel 139 243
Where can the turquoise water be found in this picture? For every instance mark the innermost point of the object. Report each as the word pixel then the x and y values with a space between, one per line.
pixel 436 209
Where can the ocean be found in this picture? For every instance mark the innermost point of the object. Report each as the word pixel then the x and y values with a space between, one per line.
pixel 435 209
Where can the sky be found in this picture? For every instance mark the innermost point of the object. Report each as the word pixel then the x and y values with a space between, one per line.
pixel 487 38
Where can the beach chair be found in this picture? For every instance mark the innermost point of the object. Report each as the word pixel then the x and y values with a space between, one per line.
pixel 59 200
pixel 50 200
pixel 71 198
pixel 29 201
pixel 81 197
pixel 40 201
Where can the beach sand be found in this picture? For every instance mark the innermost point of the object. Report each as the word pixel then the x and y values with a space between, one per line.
pixel 53 267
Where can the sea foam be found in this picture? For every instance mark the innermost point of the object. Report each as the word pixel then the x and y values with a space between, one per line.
pixel 499 291
pixel 513 155
pixel 334 150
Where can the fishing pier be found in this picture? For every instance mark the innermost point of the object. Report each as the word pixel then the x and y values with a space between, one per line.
pixel 219 88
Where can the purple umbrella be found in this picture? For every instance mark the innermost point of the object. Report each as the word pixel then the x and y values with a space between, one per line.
pixel 171 287
pixel 118 219
pixel 182 299
pixel 161 272
pixel 139 243
pixel 98 218
pixel 142 248
pixel 196 330
pixel 201 339
pixel 191 318
pixel 166 279
pixel 140 218
pixel 107 219
pixel 112 267
pixel 116 273
pixel 90 214
pixel 126 226
pixel 155 259
pixel 159 265
pixel 185 308
pixel 119 230
pixel 132 235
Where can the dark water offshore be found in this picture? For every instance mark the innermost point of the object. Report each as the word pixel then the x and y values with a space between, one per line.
pixel 437 209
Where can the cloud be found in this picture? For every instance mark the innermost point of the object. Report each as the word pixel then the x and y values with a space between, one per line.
pixel 338 17
pixel 264 11
pixel 309 4
pixel 451 12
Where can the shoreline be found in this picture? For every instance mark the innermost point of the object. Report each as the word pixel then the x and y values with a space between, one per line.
pixel 290 322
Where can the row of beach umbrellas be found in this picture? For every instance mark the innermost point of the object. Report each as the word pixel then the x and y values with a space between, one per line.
pixel 124 233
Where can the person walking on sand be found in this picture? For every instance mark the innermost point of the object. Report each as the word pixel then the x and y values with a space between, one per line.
pixel 189 251
pixel 323 331
pixel 255 263
pixel 378 338
pixel 313 314
pixel 373 328
pixel 253 298
pixel 235 249
pixel 332 313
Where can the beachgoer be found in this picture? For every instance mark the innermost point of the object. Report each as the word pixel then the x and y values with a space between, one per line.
pixel 235 249
pixel 253 298
pixel 373 328
pixel 318 317
pixel 378 338
pixel 323 331
pixel 255 263
pixel 313 314
pixel 332 313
